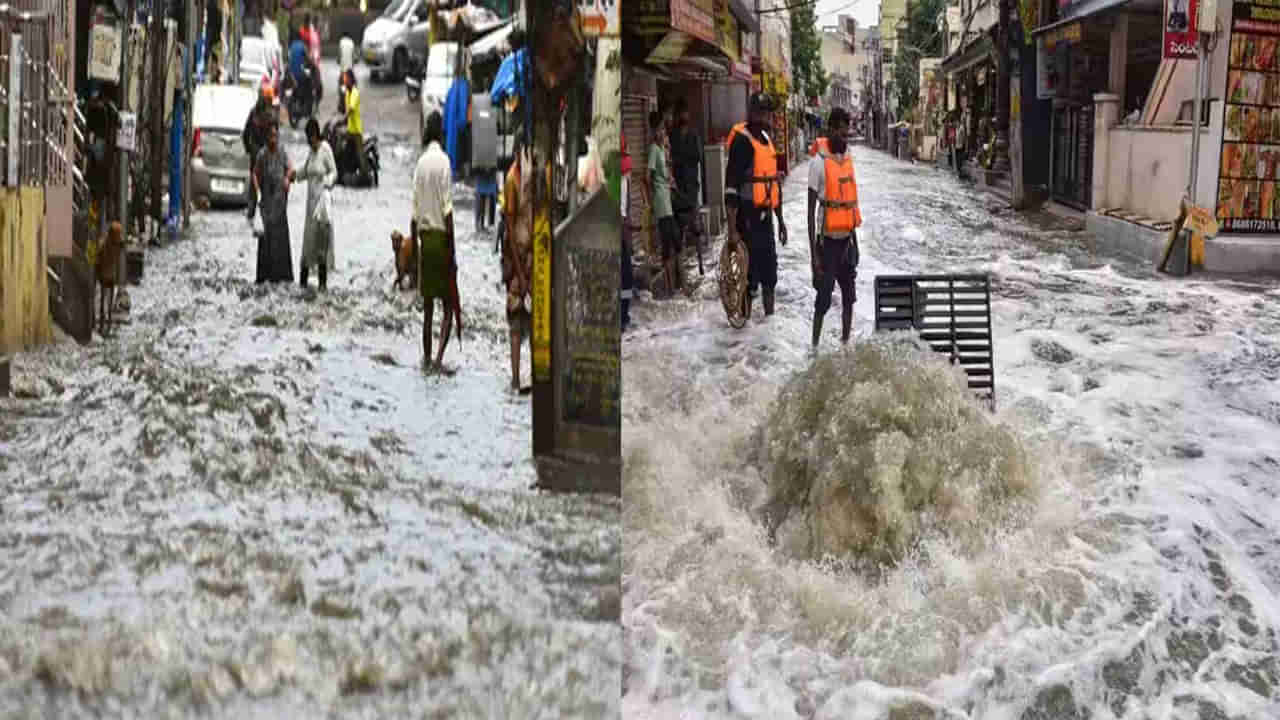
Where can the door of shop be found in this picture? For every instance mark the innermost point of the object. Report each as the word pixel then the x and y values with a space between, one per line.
pixel 1072 182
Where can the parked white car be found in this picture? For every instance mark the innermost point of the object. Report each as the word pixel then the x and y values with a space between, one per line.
pixel 260 64
pixel 219 164
pixel 389 41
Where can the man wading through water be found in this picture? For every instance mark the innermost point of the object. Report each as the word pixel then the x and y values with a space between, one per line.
pixel 834 252
pixel 432 224
pixel 753 196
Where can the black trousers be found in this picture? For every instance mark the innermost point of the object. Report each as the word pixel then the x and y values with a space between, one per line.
pixel 762 268
pixel 839 266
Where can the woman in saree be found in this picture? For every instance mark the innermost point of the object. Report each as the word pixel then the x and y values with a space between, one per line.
pixel 272 177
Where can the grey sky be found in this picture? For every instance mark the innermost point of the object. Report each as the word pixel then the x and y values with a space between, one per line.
pixel 866 11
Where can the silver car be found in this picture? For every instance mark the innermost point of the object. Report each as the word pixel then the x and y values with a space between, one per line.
pixel 398 34
pixel 219 164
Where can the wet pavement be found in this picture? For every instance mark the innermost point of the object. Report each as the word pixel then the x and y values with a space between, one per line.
pixel 252 501
pixel 1143 582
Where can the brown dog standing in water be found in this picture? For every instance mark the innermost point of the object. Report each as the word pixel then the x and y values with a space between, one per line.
pixel 406 252
pixel 108 273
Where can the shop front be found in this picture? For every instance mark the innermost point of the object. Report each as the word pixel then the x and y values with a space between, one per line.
pixel 690 51
pixel 1072 66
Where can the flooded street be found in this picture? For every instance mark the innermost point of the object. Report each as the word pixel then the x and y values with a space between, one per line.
pixel 1140 579
pixel 252 501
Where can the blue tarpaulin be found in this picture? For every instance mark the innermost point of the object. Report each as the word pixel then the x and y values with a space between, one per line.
pixel 509 79
pixel 455 120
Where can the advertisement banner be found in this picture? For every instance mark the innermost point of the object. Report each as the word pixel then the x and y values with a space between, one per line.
pixel 694 17
pixel 104 53
pixel 1180 29
pixel 598 17
pixel 1046 72
pixel 541 341
pixel 1248 201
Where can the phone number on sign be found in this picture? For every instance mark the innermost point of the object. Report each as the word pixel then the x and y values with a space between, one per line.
pixel 1242 224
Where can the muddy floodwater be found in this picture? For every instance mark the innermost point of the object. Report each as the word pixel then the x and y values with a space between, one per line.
pixel 1106 548
pixel 253 502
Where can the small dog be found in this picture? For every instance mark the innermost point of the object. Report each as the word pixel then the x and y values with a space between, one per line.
pixel 107 269
pixel 406 255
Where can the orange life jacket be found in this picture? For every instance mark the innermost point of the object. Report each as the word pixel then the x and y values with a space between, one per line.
pixel 766 190
pixel 819 146
pixel 839 197
pixel 733 132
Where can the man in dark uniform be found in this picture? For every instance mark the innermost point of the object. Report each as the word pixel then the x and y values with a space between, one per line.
pixel 753 196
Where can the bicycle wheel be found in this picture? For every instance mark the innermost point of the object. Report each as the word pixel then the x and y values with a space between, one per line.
pixel 733 283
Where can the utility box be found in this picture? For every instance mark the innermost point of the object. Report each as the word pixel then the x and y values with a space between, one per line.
pixel 484 133
pixel 586 379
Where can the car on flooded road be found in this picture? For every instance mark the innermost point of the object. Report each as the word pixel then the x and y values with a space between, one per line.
pixel 219 164
pixel 390 41
pixel 261 64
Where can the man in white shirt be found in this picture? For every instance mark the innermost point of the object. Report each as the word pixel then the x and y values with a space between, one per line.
pixel 432 224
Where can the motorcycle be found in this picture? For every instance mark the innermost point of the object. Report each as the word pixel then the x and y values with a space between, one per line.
pixel 303 102
pixel 335 132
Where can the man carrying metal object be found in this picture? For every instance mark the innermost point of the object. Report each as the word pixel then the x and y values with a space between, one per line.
pixel 834 252
pixel 753 196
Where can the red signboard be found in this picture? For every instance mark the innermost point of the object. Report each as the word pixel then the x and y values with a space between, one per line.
pixel 1180 29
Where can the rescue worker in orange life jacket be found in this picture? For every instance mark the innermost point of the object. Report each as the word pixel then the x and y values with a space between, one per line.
pixel 833 248
pixel 753 198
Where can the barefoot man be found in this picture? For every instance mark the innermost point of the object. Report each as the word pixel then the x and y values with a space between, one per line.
pixel 432 224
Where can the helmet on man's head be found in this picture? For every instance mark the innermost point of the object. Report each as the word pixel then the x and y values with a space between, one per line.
pixel 760 102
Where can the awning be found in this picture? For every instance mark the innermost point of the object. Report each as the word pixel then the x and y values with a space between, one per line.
pixel 1080 10
pixel 494 43
pixel 746 16
pixel 981 49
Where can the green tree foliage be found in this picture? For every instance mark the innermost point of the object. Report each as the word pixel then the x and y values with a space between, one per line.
pixel 808 76
pixel 922 39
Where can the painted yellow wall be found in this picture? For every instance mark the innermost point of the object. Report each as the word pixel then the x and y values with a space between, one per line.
pixel 24 283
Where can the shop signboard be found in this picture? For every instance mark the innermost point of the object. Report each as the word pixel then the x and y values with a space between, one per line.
pixel 694 17
pixel 1069 33
pixel 1248 199
pixel 1180 30
pixel 727 31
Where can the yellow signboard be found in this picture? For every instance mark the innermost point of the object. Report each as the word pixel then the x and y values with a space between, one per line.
pixel 542 298
pixel 727 31
pixel 1069 34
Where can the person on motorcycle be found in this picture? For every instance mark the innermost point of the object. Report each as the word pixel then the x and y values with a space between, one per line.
pixel 298 68
pixel 355 126
pixel 254 135
pixel 311 36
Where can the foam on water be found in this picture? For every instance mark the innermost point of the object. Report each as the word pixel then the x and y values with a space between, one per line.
pixel 884 445
pixel 1141 579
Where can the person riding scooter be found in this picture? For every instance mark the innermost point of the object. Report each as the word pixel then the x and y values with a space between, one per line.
pixel 299 64
pixel 355 126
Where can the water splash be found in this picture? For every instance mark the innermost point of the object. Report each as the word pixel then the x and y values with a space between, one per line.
pixel 879 446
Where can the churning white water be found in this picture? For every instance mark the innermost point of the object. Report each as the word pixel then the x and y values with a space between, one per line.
pixel 1106 546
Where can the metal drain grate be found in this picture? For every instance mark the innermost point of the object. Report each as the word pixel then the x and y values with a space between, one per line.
pixel 952 313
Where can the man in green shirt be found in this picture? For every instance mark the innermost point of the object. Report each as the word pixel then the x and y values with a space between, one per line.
pixel 660 192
